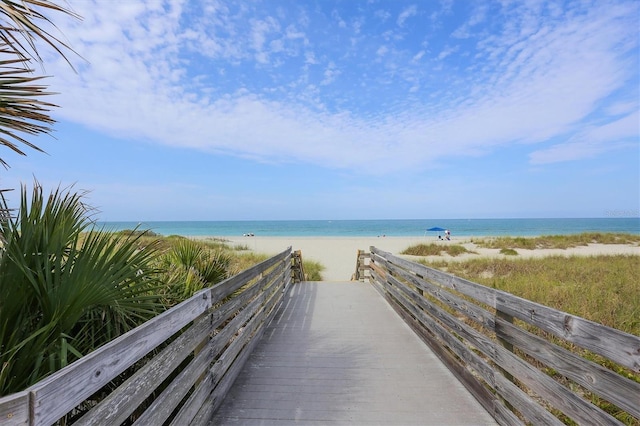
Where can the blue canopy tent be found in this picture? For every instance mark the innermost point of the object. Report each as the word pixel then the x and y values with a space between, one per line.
pixel 436 229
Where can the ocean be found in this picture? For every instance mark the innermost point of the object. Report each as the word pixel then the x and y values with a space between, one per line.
pixel 395 227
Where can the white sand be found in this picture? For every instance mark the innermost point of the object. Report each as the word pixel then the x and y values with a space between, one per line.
pixel 339 254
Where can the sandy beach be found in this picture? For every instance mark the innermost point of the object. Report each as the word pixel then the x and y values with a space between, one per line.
pixel 339 254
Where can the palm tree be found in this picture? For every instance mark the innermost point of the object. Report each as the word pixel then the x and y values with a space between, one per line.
pixel 21 109
pixel 65 287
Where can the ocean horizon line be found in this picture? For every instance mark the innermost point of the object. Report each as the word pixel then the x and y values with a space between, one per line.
pixel 386 227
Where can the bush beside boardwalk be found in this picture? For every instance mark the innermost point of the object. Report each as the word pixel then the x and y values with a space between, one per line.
pixel 601 287
pixel 66 288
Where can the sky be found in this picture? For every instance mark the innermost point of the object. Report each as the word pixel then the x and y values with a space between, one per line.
pixel 345 109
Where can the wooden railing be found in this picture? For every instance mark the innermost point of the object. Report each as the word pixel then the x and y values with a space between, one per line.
pixel 362 266
pixel 520 359
pixel 174 368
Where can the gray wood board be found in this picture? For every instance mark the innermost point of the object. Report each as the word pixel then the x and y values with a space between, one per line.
pixel 336 353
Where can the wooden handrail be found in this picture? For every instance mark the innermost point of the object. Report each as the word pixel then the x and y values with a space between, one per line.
pixel 297 268
pixel 361 266
pixel 502 347
pixel 200 344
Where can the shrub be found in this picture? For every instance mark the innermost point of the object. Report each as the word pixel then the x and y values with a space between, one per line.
pixel 435 250
pixel 64 293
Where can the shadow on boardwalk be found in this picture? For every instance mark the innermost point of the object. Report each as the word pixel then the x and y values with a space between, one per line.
pixel 338 353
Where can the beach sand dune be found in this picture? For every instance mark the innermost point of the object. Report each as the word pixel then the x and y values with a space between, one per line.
pixel 339 254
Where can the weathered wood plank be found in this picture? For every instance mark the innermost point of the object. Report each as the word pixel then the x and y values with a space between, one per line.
pixel 228 286
pixel 396 278
pixel 614 388
pixel 217 373
pixel 123 401
pixel 428 321
pixel 471 311
pixel 472 336
pixel 162 407
pixel 478 292
pixel 215 398
pixel 420 324
pixel 616 345
pixel 56 395
pixel 14 409
pixel 527 406
pixel 194 403
pixel 553 392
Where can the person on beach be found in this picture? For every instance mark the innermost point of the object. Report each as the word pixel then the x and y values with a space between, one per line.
pixel 447 234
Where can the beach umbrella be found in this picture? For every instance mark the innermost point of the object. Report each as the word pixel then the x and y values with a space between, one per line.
pixel 435 229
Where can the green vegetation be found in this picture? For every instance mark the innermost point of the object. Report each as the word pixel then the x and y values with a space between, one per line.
pixel 189 267
pixel 604 289
pixel 508 252
pixel 313 270
pixel 65 288
pixel 435 250
pixel 557 241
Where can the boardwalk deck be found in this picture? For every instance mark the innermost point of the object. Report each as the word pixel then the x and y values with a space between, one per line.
pixel 337 353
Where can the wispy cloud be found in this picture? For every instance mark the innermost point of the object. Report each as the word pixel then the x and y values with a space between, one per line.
pixel 406 13
pixel 244 82
pixel 592 141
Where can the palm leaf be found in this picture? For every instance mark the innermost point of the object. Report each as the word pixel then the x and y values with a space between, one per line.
pixel 65 287
pixel 21 110
pixel 19 23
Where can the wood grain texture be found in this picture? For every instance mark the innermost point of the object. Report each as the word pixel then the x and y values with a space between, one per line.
pixel 429 300
pixel 14 409
pixel 255 293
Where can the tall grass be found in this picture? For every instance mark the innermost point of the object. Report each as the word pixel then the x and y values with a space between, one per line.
pixel 313 270
pixel 557 241
pixel 435 250
pixel 604 289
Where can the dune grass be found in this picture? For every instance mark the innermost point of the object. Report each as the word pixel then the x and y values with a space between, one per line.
pixel 557 241
pixel 313 270
pixel 604 289
pixel 435 250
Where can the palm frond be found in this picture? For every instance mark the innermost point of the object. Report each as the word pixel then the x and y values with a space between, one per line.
pixel 19 24
pixel 21 109
pixel 66 287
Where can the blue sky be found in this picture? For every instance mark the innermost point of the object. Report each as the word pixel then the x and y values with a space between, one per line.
pixel 216 110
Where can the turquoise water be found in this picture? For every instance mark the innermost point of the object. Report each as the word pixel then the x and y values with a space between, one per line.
pixel 400 228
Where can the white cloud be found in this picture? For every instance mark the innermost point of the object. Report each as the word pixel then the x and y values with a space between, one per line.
pixel 406 13
pixel 447 51
pixel 382 51
pixel 593 141
pixel 330 74
pixel 531 82
pixel 418 56
pixel 310 58
pixel 383 15
pixel 478 16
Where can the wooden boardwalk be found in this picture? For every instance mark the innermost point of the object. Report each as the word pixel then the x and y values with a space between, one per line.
pixel 338 353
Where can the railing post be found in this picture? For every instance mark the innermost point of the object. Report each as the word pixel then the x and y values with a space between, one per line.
pixel 297 269
pixel 356 276
pixel 508 346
